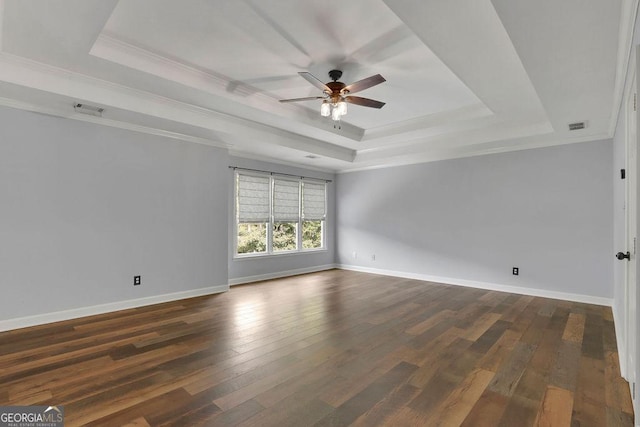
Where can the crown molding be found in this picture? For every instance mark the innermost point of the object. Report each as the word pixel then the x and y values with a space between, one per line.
pixel 497 131
pixel 70 114
pixel 252 156
pixel 492 147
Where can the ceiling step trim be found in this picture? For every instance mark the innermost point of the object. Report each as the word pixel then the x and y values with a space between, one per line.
pixel 25 72
pixel 112 49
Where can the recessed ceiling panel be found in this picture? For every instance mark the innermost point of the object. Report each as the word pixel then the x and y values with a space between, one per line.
pixel 264 44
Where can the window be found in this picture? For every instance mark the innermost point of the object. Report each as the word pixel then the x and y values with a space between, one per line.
pixel 253 212
pixel 313 213
pixel 278 214
pixel 286 214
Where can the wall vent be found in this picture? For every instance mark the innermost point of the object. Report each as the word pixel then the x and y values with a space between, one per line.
pixel 576 126
pixel 88 109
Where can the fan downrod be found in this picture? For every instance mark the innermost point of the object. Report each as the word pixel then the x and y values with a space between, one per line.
pixel 335 75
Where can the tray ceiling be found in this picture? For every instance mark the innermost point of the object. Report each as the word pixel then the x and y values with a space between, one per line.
pixel 463 78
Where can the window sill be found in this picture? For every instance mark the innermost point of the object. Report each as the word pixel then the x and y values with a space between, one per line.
pixel 277 255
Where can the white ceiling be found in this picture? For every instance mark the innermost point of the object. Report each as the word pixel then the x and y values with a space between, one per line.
pixel 464 77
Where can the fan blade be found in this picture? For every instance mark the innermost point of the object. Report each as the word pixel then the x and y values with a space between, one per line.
pixel 364 84
pixel 365 102
pixel 308 98
pixel 314 81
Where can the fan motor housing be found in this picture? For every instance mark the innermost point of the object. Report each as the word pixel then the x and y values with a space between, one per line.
pixel 335 75
pixel 336 87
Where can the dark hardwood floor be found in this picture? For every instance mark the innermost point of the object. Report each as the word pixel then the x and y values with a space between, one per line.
pixel 327 349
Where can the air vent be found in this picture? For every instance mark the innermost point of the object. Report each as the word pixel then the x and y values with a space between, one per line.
pixel 577 126
pixel 312 156
pixel 88 109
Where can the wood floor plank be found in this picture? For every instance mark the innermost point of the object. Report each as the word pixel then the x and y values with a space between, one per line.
pixel 616 396
pixel 350 410
pixel 592 340
pixel 431 321
pixel 495 356
pixel 290 412
pixel 484 342
pixel 589 392
pixel 616 417
pixel 382 411
pixel 436 390
pixel 267 383
pixel 440 358
pixel 575 328
pixel 487 410
pixel 154 407
pixel 564 372
pixel 138 422
pixel 459 403
pixel 232 417
pixel 328 348
pixel 509 374
pixel 520 411
pixel 480 326
pixel 556 408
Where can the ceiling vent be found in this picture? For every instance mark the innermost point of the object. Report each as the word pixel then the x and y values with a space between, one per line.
pixel 88 109
pixel 577 126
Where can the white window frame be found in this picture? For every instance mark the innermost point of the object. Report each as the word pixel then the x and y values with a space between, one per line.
pixel 270 252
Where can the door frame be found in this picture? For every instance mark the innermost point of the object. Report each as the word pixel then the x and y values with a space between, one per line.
pixel 633 325
pixel 631 223
pixel 628 356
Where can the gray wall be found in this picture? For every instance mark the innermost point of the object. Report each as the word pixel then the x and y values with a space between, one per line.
pixel 546 211
pixel 244 269
pixel 84 208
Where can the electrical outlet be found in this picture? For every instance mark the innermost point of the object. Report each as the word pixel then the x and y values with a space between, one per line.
pixel 137 280
pixel 516 271
pixel 373 257
pixel 354 254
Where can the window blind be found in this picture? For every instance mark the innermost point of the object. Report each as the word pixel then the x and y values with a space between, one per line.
pixel 313 201
pixel 253 198
pixel 286 200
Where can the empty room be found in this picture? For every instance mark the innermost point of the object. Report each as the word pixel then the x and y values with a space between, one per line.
pixel 305 213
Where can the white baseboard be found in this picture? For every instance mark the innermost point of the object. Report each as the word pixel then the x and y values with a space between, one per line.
pixel 620 341
pixel 40 319
pixel 588 299
pixel 279 274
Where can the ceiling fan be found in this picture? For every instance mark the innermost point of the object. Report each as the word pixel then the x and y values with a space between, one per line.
pixel 336 94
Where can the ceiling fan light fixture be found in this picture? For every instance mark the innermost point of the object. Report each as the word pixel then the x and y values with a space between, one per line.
pixel 335 114
pixel 342 108
pixel 335 94
pixel 325 109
